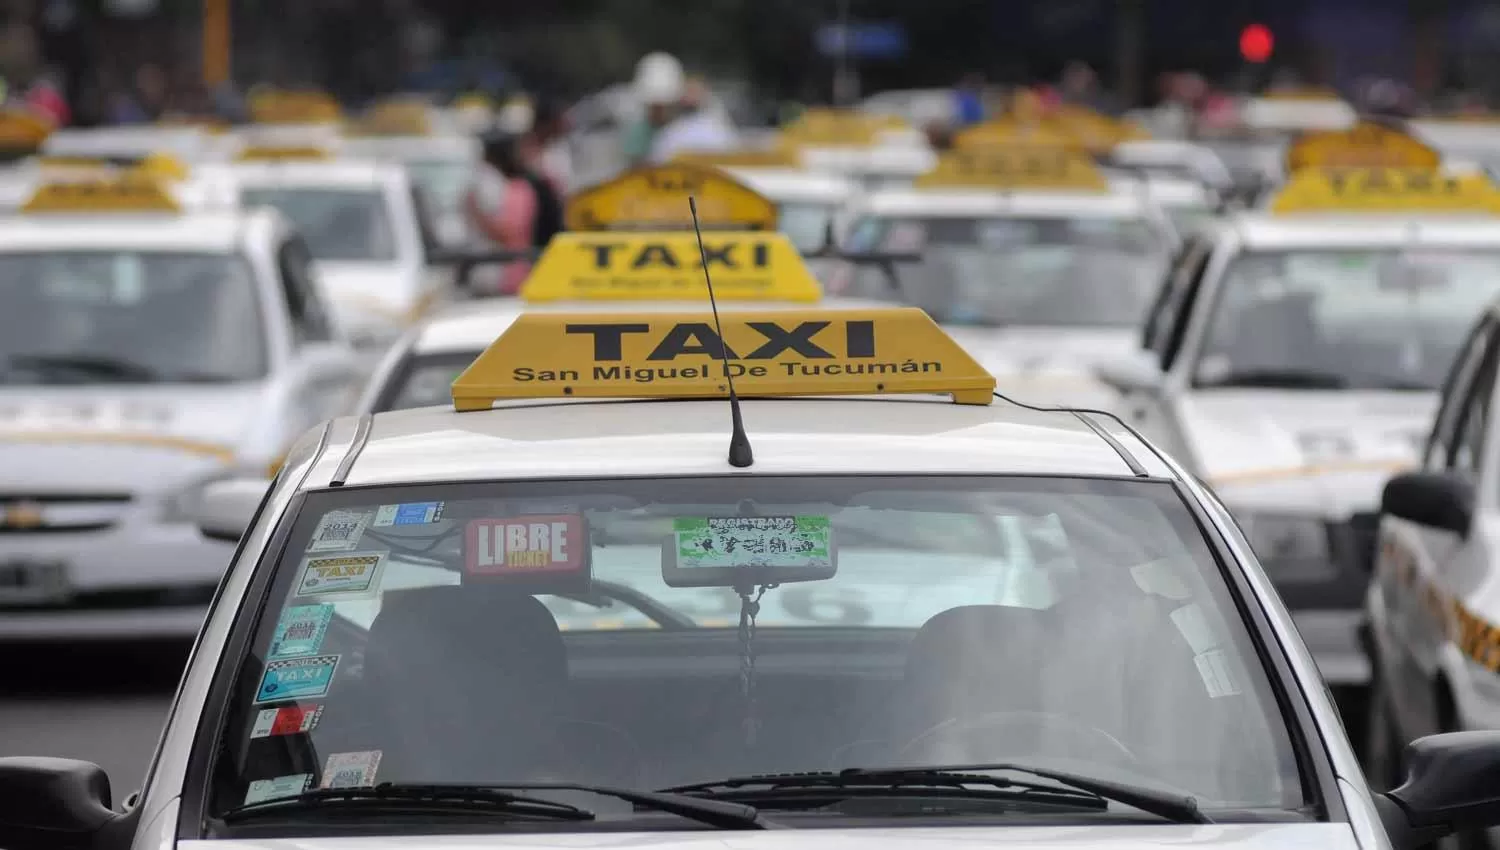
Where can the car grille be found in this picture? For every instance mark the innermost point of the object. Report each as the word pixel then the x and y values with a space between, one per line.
pixel 45 513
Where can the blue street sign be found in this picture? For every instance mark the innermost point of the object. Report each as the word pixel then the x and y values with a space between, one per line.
pixel 864 40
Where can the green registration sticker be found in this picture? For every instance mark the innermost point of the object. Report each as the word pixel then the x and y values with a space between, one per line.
pixel 786 541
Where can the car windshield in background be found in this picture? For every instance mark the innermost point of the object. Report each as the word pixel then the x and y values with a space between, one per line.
pixel 806 225
pixel 589 631
pixel 342 225
pixel 1016 271
pixel 423 380
pixel 137 317
pixel 1351 319
pixel 443 181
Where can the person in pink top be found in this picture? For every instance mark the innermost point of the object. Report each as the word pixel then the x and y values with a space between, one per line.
pixel 503 208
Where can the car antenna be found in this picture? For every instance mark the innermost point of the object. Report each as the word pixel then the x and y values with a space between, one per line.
pixel 740 454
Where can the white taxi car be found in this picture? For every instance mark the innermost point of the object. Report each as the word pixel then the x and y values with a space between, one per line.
pixel 573 609
pixel 810 205
pixel 1039 273
pixel 360 220
pixel 441 165
pixel 146 349
pixel 1293 361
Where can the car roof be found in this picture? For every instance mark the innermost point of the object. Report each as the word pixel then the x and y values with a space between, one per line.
pixel 205 230
pixel 622 438
pixel 470 326
pixel 436 147
pixel 334 173
pixel 1311 230
pixel 791 184
pixel 980 202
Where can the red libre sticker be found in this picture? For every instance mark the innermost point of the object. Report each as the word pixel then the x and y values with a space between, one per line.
pixel 287 720
pixel 525 545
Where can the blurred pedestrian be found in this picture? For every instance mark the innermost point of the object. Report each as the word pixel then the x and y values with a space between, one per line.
pixel 658 89
pixel 698 126
pixel 1079 86
pixel 26 81
pixel 969 100
pixel 152 89
pixel 502 209
pixel 550 130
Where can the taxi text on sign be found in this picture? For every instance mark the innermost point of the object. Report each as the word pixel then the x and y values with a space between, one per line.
pixel 1386 190
pixel 656 198
pixel 677 355
pixel 102 196
pixel 745 266
pixel 1016 167
pixel 1365 145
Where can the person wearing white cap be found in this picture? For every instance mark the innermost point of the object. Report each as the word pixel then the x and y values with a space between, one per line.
pixel 697 127
pixel 659 84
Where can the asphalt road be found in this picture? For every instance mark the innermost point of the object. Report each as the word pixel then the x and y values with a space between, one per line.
pixel 100 704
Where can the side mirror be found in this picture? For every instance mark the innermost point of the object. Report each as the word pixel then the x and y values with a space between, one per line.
pixel 52 803
pixel 1136 372
pixel 1452 785
pixel 1434 499
pixel 226 507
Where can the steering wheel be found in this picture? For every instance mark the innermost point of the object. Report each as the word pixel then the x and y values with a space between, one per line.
pixel 989 721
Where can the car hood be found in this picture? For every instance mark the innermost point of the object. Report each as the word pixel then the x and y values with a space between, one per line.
pixel 1305 450
pixel 1329 836
pixel 1048 365
pixel 55 439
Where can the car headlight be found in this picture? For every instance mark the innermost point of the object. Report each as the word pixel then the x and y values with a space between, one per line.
pixel 1285 537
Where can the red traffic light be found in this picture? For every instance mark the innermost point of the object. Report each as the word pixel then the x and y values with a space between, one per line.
pixel 1256 43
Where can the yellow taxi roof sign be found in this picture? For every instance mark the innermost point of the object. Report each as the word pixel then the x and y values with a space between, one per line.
pixel 267 153
pixel 395 118
pixel 1093 130
pixel 1365 145
pixel 778 157
pixel 656 198
pixel 666 265
pixel 1016 167
pixel 899 350
pixel 22 130
pixel 130 194
pixel 293 107
pixel 1386 190
pixel 838 127
pixel 1014 130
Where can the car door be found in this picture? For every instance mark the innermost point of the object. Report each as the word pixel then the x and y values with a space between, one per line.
pixel 1420 568
pixel 325 372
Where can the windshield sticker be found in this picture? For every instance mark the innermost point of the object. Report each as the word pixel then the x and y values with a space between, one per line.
pixel 416 513
pixel 353 575
pixel 262 790
pixel 525 545
pixel 297 678
pixel 1213 667
pixel 338 531
pixel 800 541
pixel 300 631
pixel 350 770
pixel 286 720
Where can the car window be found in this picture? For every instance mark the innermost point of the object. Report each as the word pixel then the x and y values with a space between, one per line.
pixel 338 224
pixel 1079 271
pixel 806 224
pixel 443 182
pixel 423 380
pixel 82 317
pixel 1345 319
pixel 1473 422
pixel 591 631
pixel 304 304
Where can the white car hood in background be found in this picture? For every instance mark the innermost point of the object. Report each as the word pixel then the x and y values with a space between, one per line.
pixel 1048 365
pixel 1288 447
pixel 56 439
pixel 363 294
pixel 1322 836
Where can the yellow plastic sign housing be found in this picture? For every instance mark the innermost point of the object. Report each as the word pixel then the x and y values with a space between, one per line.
pixel 293 107
pixel 127 195
pixel 839 128
pixel 1366 190
pixel 1003 132
pixel 21 130
pixel 270 153
pixel 745 266
pixel 1024 167
pixel 656 198
pixel 744 158
pixel 816 352
pixel 1365 145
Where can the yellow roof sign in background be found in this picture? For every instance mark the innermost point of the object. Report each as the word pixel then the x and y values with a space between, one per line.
pixel 838 127
pixel 293 107
pixel 745 265
pixel 22 129
pixel 1014 130
pixel 395 118
pixel 128 194
pixel 677 355
pixel 780 157
pixel 267 153
pixel 656 198
pixel 1038 167
pixel 1386 190
pixel 1365 145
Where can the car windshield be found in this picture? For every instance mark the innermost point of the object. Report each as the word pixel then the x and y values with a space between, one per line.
pixel 1016 271
pixel 587 631
pixel 423 380
pixel 350 225
pixel 806 224
pixel 1345 319
pixel 443 181
pixel 79 317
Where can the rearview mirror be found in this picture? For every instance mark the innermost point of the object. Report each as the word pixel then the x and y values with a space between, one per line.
pixel 1434 499
pixel 225 508
pixel 1138 371
pixel 1452 785
pixel 52 803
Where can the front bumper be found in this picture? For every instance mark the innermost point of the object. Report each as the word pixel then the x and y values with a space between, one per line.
pixel 132 582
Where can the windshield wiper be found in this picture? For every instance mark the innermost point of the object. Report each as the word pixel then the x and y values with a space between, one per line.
pixel 501 799
pixel 1172 807
pixel 93 366
pixel 1281 379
